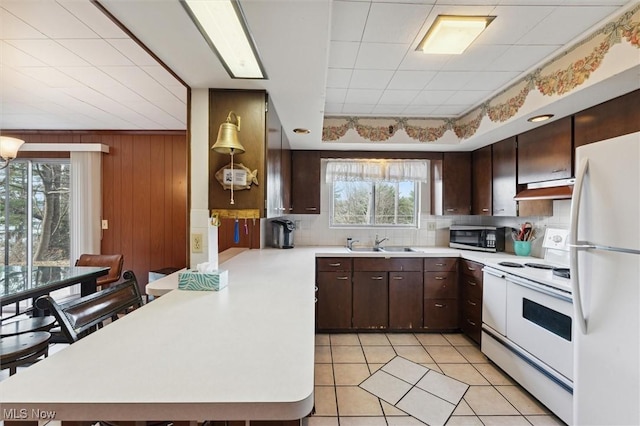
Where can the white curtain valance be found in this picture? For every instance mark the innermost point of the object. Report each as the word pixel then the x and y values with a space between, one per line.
pixel 377 170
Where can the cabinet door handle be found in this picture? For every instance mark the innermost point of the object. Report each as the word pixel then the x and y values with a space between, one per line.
pixel 485 210
pixel 559 170
pixel 397 277
pixel 311 209
pixel 376 278
pixel 500 210
pixel 439 305
pixel 335 264
pixel 471 322
pixel 471 303
pixel 451 210
pixel 472 283
pixel 342 278
pixel 439 278
pixel 439 264
pixel 470 268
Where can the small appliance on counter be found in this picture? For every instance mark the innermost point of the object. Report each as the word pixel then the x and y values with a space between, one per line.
pixel 282 232
pixel 482 238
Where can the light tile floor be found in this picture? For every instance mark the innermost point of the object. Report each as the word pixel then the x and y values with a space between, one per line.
pixel 445 380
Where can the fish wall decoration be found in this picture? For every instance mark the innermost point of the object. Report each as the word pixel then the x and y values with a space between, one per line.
pixel 240 178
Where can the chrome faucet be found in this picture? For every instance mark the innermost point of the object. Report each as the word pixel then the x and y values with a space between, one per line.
pixel 350 242
pixel 377 242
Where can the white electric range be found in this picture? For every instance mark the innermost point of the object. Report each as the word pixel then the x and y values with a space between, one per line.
pixel 527 321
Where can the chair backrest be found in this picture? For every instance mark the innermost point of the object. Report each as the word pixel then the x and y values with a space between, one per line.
pixel 79 317
pixel 113 261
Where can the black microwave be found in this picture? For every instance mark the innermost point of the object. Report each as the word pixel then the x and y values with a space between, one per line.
pixel 483 238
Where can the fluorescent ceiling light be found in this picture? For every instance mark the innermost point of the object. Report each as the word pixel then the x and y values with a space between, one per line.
pixel 221 22
pixel 451 35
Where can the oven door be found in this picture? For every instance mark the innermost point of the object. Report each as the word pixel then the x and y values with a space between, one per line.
pixel 539 319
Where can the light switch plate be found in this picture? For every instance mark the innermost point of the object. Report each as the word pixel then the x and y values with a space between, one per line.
pixel 556 239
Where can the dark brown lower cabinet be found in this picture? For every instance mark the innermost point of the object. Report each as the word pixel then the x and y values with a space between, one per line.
pixel 370 300
pixel 405 300
pixel 441 314
pixel 471 299
pixel 333 307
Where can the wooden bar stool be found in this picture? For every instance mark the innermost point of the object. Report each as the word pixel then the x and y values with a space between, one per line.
pixel 23 349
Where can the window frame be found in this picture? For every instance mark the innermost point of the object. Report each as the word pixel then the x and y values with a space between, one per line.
pixel 416 208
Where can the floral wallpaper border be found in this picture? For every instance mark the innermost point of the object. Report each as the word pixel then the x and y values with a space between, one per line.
pixel 558 77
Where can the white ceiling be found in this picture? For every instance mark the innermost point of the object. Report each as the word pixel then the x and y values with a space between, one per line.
pixel 65 65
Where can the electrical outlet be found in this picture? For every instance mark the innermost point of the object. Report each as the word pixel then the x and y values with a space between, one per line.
pixel 196 243
pixel 431 226
pixel 105 224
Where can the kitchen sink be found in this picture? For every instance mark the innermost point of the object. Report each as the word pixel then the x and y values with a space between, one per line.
pixel 398 249
pixel 382 249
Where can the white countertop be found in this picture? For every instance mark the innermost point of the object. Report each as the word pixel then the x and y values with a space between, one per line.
pixel 245 352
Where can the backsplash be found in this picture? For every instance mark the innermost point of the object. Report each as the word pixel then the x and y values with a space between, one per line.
pixel 314 230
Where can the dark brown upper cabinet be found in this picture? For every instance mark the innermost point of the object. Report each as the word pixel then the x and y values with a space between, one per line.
pixel 456 183
pixel 305 182
pixel 617 117
pixel 482 182
pixel 504 178
pixel 546 153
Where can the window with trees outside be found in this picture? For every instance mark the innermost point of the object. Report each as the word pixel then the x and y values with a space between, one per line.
pixel 375 193
pixel 34 213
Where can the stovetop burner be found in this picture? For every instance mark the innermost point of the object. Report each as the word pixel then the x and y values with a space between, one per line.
pixel 538 265
pixel 561 272
pixel 511 264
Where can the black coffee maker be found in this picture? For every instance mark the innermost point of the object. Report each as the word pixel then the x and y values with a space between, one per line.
pixel 282 230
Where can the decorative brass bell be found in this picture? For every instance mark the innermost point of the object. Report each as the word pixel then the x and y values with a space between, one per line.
pixel 227 142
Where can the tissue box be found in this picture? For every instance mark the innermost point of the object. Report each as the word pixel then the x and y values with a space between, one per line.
pixel 193 280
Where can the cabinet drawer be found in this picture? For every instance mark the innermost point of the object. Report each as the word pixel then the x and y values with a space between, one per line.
pixel 334 277
pixel 440 263
pixel 387 264
pixel 333 264
pixel 471 287
pixel 440 285
pixel 472 309
pixel 440 314
pixel 471 268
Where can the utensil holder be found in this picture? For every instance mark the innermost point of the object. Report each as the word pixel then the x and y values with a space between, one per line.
pixel 522 248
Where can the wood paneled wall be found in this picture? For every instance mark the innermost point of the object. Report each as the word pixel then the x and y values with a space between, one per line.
pixel 144 194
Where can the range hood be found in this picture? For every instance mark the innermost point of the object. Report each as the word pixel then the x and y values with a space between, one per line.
pixel 551 190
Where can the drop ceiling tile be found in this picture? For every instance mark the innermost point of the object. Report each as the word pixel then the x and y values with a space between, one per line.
pixel 342 54
pixel 388 109
pixel 14 77
pixel 432 97
pixel 490 80
pixel 132 51
pixel 394 22
pixel 49 17
pixel 468 97
pixel 332 108
pixel 92 17
pixel 97 52
pixel 521 58
pixel 162 76
pixel 363 96
pixel 516 21
pixel 397 97
pixel 92 77
pixel 338 78
pixel 348 20
pixel 476 57
pixel 357 109
pixel 335 96
pixel 564 23
pixel 418 110
pixel 49 52
pixel 418 61
pixel 135 79
pixel 12 56
pixel 14 28
pixel 410 80
pixel 452 80
pixel 380 56
pixel 50 76
pixel 370 79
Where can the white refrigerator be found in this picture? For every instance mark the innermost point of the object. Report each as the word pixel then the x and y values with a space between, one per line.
pixel 604 243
